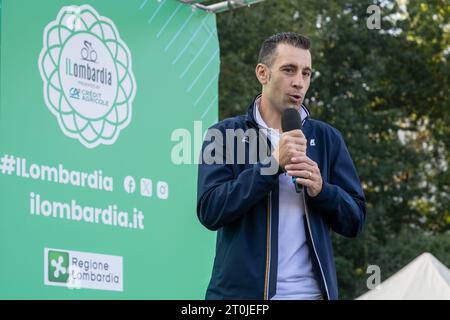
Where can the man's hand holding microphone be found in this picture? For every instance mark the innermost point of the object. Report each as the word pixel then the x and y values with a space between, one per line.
pixel 291 155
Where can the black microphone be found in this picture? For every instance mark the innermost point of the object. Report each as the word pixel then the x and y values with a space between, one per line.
pixel 290 120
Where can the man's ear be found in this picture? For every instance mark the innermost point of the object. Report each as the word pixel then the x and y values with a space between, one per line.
pixel 262 73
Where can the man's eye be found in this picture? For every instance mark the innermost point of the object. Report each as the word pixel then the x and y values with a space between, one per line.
pixel 289 70
pixel 307 74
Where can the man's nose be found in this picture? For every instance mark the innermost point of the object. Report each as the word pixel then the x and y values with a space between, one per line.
pixel 298 82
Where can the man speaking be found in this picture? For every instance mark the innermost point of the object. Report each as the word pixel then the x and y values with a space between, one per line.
pixel 273 239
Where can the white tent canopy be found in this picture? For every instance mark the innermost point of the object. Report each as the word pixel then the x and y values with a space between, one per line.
pixel 424 278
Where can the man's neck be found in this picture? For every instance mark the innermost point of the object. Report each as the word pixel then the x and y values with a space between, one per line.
pixel 270 115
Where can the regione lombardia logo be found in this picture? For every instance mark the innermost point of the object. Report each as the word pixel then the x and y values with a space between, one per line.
pixel 88 80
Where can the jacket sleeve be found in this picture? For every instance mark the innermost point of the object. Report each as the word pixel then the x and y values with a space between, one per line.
pixel 224 196
pixel 341 200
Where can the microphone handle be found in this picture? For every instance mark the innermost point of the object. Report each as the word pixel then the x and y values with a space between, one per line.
pixel 298 187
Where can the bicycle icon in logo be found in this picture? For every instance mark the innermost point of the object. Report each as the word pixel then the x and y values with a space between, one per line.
pixel 88 53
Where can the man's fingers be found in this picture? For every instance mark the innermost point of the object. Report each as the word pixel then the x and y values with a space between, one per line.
pixel 305 174
pixel 294 133
pixel 303 159
pixel 298 148
pixel 301 166
pixel 296 141
pixel 305 182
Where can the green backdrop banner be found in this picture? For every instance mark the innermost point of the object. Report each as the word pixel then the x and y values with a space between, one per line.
pixel 92 203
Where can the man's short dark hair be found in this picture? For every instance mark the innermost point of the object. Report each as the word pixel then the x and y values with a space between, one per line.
pixel 269 46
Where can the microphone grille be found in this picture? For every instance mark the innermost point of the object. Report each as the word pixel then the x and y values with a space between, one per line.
pixel 290 120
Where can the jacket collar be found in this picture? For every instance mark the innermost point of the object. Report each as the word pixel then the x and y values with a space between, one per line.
pixel 251 118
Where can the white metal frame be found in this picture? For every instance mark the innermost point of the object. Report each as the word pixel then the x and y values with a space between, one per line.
pixel 221 6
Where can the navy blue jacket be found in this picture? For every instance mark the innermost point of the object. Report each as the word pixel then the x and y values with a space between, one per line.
pixel 242 205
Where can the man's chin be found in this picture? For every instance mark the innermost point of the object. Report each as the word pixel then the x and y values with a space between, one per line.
pixel 291 105
pixel 288 105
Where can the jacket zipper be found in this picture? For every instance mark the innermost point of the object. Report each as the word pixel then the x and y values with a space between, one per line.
pixel 268 233
pixel 268 250
pixel 314 247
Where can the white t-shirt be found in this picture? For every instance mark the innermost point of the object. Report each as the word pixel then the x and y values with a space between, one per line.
pixel 295 278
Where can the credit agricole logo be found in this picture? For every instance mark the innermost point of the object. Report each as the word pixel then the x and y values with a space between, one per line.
pixel 88 79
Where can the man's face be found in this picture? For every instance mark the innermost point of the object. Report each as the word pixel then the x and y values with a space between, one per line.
pixel 288 77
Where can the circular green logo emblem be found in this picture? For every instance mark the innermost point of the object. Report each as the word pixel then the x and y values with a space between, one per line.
pixel 88 80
